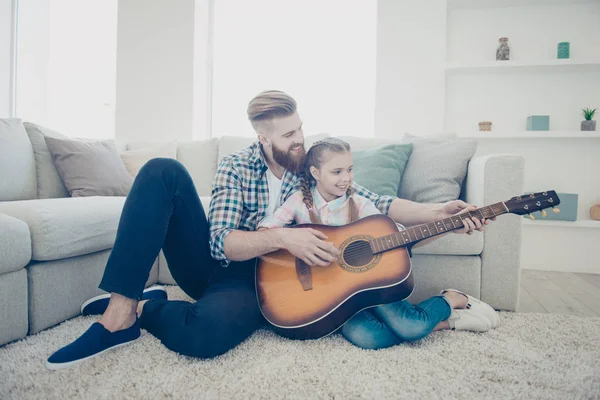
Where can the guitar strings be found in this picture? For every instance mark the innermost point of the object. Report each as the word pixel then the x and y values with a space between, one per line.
pixel 384 244
pixel 482 211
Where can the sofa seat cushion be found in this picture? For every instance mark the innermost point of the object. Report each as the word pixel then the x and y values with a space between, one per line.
pixel 453 244
pixel 68 227
pixel 15 244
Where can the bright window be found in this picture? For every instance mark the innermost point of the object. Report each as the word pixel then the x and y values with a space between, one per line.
pixel 66 65
pixel 322 53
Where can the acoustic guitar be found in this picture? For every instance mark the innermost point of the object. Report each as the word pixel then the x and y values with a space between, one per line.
pixel 374 268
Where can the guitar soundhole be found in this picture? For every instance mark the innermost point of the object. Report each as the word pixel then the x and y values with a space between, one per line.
pixel 358 253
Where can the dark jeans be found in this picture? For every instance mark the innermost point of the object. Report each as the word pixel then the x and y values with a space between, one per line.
pixel 163 211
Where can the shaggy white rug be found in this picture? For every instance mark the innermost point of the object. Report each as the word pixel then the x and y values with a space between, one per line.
pixel 530 356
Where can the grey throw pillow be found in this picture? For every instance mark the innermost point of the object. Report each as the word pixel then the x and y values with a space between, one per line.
pixel 49 183
pixel 436 169
pixel 90 168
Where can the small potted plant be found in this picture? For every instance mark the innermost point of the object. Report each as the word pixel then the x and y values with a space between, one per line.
pixel 588 124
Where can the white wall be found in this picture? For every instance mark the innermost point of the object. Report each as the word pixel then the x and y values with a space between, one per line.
pixel 411 53
pixel 33 60
pixel 6 57
pixel 203 33
pixel 415 94
pixel 155 75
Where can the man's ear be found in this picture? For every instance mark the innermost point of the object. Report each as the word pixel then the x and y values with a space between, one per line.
pixel 315 173
pixel 263 140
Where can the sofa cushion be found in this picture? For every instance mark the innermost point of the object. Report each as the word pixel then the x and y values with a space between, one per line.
pixel 200 159
pixel 62 228
pixel 15 244
pixel 436 169
pixel 17 164
pixel 49 184
pixel 134 160
pixel 453 244
pixel 14 294
pixel 380 169
pixel 230 144
pixel 90 168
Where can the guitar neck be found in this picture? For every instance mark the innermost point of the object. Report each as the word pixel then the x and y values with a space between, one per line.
pixel 415 234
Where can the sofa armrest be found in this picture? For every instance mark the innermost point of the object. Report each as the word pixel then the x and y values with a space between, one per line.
pixel 15 244
pixel 492 179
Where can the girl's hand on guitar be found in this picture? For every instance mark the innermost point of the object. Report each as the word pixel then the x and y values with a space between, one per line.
pixel 471 224
pixel 310 246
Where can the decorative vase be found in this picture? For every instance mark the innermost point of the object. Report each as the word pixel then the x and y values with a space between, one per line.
pixel 563 50
pixel 595 212
pixel 588 125
pixel 503 50
pixel 485 126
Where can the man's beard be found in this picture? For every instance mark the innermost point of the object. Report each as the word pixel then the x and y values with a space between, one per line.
pixel 288 160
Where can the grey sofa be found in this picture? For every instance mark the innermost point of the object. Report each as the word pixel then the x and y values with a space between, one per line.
pixel 53 248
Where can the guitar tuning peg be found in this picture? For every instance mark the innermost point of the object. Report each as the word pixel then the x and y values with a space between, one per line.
pixel 531 217
pixel 555 209
pixel 544 213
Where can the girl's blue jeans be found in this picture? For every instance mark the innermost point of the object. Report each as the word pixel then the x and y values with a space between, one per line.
pixel 394 323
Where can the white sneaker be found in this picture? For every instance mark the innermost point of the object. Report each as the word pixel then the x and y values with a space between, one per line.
pixel 468 320
pixel 480 307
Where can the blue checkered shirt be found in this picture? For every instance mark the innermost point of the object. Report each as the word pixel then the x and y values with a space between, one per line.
pixel 240 196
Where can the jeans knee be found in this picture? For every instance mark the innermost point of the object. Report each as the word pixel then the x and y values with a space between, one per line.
pixel 360 336
pixel 157 167
pixel 411 331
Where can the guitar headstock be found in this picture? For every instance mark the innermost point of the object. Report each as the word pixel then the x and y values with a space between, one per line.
pixel 528 203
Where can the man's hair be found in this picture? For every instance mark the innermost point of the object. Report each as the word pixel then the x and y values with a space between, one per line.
pixel 270 104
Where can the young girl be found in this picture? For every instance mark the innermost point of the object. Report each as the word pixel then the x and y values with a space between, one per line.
pixel 327 197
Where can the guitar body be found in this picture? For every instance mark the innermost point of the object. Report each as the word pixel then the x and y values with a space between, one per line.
pixel 303 302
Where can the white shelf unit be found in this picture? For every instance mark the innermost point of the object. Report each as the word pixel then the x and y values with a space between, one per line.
pixel 470 4
pixel 512 65
pixel 533 82
pixel 531 135
pixel 563 224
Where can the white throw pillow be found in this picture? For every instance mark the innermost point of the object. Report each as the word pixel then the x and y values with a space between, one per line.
pixel 134 160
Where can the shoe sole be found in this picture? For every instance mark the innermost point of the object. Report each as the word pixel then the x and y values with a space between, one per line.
pixel 57 366
pixel 107 295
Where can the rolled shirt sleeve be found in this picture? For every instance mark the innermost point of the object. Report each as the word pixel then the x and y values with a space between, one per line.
pixel 225 211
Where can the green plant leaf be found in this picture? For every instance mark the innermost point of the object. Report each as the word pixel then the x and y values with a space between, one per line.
pixel 588 113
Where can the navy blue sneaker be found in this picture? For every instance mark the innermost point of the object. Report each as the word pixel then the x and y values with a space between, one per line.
pixel 95 341
pixel 97 305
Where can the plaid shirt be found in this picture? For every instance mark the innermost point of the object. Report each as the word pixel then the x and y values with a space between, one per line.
pixel 240 196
